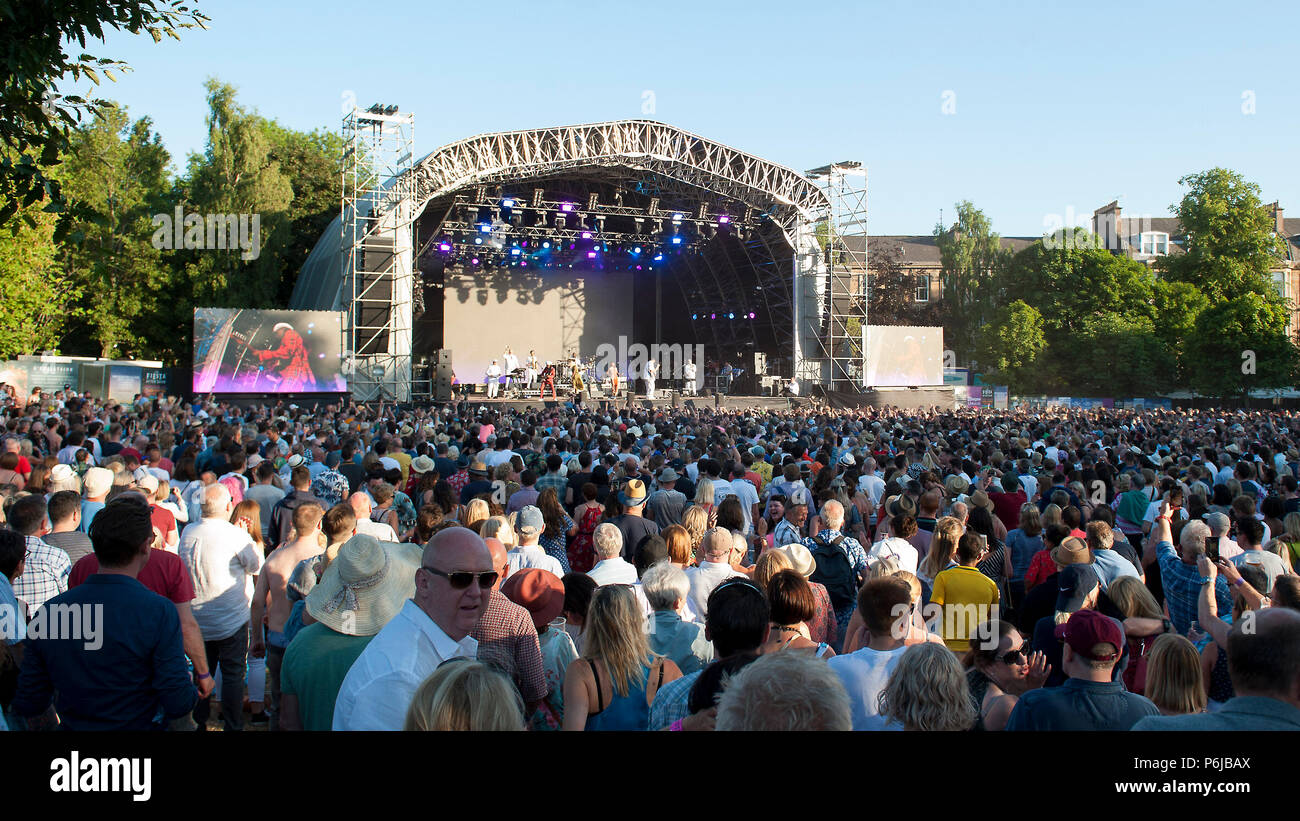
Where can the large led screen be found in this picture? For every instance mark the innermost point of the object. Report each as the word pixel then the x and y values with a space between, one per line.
pixel 243 350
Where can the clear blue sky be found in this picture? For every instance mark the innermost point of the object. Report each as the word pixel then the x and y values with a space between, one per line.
pixel 1060 107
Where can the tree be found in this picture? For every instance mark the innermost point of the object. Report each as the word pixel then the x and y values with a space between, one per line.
pixel 1009 345
pixel 1240 345
pixel 312 161
pixel 1124 357
pixel 118 171
pixel 890 288
pixel 34 129
pixel 1177 306
pixel 1230 243
pixel 1075 281
pixel 33 288
pixel 237 175
pixel 971 257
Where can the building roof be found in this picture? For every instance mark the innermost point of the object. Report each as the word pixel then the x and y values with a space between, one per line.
pixel 921 249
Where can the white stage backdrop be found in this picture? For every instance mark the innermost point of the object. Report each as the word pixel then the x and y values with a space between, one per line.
pixel 551 312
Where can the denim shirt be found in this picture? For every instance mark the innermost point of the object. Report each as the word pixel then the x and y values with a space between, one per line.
pixel 681 641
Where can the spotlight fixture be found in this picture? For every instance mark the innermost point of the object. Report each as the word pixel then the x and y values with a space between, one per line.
pixel 444 246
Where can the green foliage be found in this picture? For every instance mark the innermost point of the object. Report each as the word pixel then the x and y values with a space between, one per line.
pixel 972 259
pixel 236 174
pixel 118 171
pixel 33 289
pixel 1234 338
pixel 1230 244
pixel 35 129
pixel 1076 282
pixel 1008 346
pixel 312 161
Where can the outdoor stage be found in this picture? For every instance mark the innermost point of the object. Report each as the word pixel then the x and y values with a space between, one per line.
pixel 902 398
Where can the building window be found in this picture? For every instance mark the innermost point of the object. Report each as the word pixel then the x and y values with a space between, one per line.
pixel 1279 284
pixel 923 288
pixel 1154 243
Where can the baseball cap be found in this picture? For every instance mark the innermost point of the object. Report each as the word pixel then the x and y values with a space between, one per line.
pixel 1073 586
pixel 1217 521
pixel 530 521
pixel 1088 628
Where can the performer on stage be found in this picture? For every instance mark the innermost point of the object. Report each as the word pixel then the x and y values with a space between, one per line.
pixel 534 368
pixel 611 373
pixel 292 366
pixel 579 388
pixel 688 370
pixel 493 379
pixel 791 388
pixel 510 364
pixel 548 381
pixel 651 371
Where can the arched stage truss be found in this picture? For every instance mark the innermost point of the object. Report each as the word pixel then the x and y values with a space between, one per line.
pixel 761 236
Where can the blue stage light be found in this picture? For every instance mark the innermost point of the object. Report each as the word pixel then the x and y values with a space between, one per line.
pixel 677 240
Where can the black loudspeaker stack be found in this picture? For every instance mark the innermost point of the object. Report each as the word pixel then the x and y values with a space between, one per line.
pixel 442 375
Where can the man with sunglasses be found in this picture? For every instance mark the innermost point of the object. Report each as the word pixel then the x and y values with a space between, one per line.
pixel 452 586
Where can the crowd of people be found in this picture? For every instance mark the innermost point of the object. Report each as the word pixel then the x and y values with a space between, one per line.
pixel 456 567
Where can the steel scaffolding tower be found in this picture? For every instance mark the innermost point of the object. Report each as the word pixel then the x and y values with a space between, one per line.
pixel 378 210
pixel 830 281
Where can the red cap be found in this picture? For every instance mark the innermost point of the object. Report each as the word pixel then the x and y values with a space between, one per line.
pixel 1087 628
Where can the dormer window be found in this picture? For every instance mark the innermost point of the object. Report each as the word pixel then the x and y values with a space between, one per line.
pixel 1154 243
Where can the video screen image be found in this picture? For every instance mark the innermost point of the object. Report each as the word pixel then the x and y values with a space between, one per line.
pixel 244 350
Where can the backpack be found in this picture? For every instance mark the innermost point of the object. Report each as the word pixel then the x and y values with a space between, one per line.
pixel 835 573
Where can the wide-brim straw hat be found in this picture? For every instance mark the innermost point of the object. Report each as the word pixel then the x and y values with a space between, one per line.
pixel 364 587
pixel 802 558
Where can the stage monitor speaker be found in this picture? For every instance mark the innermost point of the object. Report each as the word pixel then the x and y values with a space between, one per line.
pixel 756 363
pixel 442 355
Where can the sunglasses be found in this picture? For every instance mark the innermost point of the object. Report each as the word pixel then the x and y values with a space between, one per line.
pixel 461 579
pixel 1017 656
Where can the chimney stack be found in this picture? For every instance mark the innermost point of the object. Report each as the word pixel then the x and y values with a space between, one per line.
pixel 1278 224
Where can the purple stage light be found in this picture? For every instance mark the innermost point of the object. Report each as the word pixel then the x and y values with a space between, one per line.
pixel 444 246
pixel 724 219
pixel 586 235
pixel 567 207
pixel 591 255
pixel 713 316
pixel 474 261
